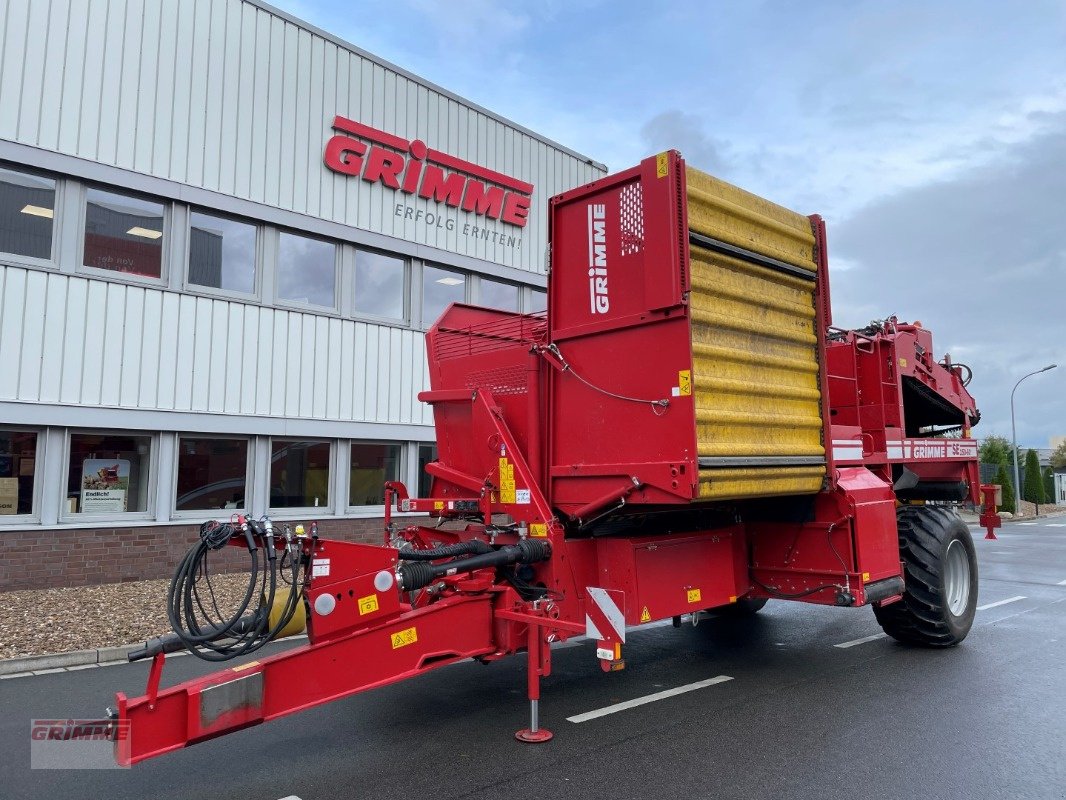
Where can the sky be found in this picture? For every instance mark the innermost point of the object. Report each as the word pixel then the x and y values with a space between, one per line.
pixel 930 135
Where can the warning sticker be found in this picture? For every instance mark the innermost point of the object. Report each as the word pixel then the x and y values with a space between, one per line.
pixel 507 489
pixel 521 496
pixel 694 595
pixel 684 382
pixel 662 165
pixel 405 637
pixel 645 615
pixel 320 568
pixel 368 604
pixel 538 529
pixel 438 505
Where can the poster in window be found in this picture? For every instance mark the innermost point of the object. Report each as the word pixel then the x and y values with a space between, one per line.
pixel 105 484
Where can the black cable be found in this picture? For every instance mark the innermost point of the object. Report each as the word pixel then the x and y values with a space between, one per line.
pixel 213 636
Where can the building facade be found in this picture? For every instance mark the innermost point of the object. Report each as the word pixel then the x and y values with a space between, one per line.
pixel 223 234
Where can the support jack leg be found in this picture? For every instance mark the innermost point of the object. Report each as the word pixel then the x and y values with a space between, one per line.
pixel 534 733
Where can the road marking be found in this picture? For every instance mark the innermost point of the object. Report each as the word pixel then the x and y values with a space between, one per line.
pixel 863 640
pixel 1055 525
pixel 987 606
pixel 648 698
pixel 1061 583
pixel 1028 523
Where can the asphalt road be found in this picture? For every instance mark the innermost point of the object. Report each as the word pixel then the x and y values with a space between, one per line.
pixel 800 717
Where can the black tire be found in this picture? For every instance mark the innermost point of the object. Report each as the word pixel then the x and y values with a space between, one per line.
pixel 940 595
pixel 747 607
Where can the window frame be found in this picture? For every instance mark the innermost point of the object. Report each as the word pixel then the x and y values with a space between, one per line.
pixel 405 301
pixel 249 475
pixel 17 520
pixel 258 259
pixel 61 188
pixel 81 268
pixel 282 512
pixel 372 510
pixel 276 232
pixel 483 279
pixel 149 513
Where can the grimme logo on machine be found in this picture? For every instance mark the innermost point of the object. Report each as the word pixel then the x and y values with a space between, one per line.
pixel 413 168
pixel 599 301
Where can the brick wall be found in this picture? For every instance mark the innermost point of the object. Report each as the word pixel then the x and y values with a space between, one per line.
pixel 40 559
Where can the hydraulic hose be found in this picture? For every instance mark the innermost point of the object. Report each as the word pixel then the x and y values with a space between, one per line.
pixel 474 546
pixel 420 573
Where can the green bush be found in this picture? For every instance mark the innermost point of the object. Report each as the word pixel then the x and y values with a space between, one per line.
pixel 1003 479
pixel 1033 486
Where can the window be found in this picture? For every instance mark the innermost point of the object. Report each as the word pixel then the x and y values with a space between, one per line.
pixel 426 453
pixel 539 301
pixel 378 285
pixel 440 288
pixel 123 234
pixel 371 466
pixel 299 474
pixel 108 473
pixel 27 204
pixel 503 296
pixel 307 270
pixel 222 253
pixel 18 468
pixel 212 473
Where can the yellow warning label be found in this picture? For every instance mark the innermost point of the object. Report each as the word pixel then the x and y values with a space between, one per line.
pixel 507 487
pixel 243 667
pixel 405 637
pixel 538 529
pixel 732 598
pixel 645 615
pixel 438 505
pixel 903 363
pixel 684 382
pixel 694 595
pixel 368 604
pixel 865 577
pixel 662 165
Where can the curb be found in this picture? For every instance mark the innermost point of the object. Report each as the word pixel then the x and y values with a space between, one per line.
pixel 74 658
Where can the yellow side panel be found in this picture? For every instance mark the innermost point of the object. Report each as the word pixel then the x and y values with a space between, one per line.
pixel 724 212
pixel 754 346
pixel 731 483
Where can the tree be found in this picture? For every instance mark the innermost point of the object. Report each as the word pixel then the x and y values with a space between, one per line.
pixel 1033 487
pixel 1003 479
pixel 995 450
pixel 1049 485
pixel 1058 456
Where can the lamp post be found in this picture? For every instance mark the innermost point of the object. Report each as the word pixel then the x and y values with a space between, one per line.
pixel 1014 437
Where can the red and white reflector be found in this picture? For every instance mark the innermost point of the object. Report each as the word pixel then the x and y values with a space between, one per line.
pixel 604 619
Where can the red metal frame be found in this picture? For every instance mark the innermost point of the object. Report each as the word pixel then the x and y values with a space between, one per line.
pixel 526 450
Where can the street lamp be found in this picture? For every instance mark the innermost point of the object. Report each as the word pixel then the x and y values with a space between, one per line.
pixel 1014 437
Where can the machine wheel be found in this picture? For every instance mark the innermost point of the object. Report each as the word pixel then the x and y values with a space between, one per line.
pixel 747 607
pixel 940 578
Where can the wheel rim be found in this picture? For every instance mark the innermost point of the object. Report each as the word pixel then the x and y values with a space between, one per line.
pixel 957 578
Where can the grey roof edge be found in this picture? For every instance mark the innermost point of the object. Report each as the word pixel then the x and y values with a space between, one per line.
pixel 314 29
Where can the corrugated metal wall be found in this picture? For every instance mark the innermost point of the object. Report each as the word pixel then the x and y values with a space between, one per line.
pixel 224 95
pixel 168 351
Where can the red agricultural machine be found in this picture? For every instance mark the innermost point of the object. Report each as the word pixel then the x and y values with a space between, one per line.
pixel 684 432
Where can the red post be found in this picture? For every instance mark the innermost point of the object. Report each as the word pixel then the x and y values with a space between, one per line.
pixel 534 733
pixel 990 520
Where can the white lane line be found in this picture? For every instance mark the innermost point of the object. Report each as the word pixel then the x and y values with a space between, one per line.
pixel 987 606
pixel 648 698
pixel 1055 525
pixel 1028 523
pixel 863 640
pixel 1061 583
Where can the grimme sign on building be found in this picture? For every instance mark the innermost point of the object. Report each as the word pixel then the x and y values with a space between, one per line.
pixel 413 168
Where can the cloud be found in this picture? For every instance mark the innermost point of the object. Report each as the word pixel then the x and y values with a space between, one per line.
pixel 981 260
pixel 683 131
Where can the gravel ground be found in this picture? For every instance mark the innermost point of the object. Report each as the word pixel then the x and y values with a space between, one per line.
pixel 36 622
